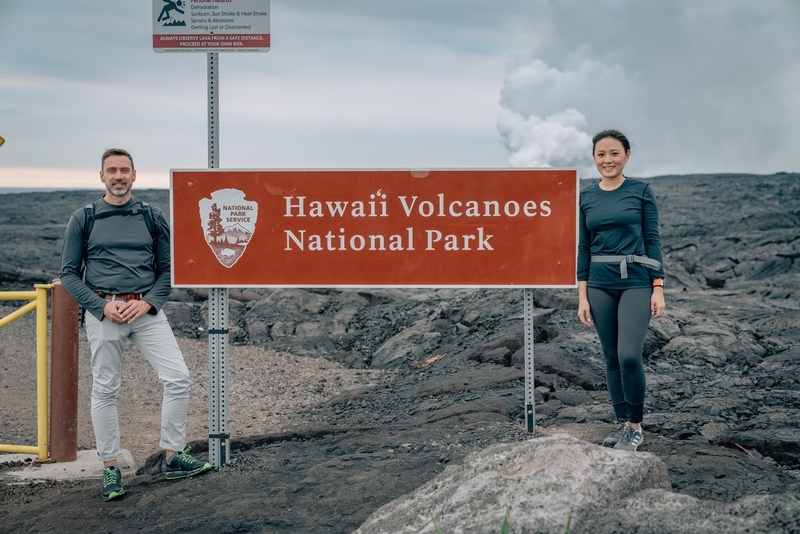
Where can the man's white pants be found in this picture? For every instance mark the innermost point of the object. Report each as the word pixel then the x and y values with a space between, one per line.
pixel 152 335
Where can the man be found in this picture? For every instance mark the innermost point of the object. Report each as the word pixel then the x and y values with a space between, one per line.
pixel 123 245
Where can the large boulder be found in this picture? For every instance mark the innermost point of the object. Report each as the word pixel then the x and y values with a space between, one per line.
pixel 549 481
pixel 546 481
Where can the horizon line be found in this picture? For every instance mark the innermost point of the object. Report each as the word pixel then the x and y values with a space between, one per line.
pixel 33 179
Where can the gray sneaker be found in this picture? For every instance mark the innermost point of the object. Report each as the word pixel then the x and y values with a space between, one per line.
pixel 615 436
pixel 630 440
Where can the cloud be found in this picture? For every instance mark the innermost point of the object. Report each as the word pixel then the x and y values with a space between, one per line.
pixel 555 141
pixel 697 87
pixel 533 89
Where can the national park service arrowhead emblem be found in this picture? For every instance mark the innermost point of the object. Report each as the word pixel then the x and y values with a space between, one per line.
pixel 229 222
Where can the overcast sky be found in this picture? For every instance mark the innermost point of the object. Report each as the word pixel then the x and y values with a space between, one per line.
pixel 697 85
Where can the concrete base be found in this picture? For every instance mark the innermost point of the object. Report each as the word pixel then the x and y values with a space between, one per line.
pixel 88 465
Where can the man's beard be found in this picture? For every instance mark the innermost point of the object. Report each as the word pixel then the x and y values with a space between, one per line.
pixel 111 190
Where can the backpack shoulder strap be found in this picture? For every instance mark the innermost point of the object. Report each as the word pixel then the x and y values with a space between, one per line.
pixel 88 224
pixel 149 219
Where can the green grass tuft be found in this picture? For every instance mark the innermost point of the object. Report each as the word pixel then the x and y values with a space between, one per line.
pixel 504 529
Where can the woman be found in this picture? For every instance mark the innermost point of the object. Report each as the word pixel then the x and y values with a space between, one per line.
pixel 620 278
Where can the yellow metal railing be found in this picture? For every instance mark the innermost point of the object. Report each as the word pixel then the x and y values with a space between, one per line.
pixel 39 303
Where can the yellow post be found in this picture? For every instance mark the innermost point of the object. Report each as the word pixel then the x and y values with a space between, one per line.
pixel 41 369
pixel 39 298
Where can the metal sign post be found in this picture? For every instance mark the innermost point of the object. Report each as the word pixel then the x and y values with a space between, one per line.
pixel 530 409
pixel 218 433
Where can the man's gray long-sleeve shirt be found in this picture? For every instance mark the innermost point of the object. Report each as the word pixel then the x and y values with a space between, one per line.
pixel 120 257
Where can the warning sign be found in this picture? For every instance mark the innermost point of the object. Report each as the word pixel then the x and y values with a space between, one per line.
pixel 439 228
pixel 211 26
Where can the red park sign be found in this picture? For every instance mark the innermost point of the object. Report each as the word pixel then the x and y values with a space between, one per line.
pixel 370 228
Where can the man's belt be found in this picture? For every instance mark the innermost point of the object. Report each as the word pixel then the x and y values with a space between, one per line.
pixel 125 297
pixel 625 260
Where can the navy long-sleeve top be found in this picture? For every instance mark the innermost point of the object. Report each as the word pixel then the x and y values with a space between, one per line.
pixel 617 223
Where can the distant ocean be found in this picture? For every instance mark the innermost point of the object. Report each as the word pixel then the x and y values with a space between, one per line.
pixel 13 190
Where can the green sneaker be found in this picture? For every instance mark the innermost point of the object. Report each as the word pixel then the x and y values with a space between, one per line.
pixel 113 486
pixel 182 465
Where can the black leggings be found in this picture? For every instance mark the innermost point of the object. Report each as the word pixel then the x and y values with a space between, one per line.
pixel 621 318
